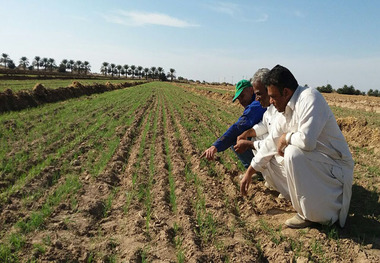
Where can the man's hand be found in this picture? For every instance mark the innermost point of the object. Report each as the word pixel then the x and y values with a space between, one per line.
pixel 246 181
pixel 242 136
pixel 281 145
pixel 243 145
pixel 246 134
pixel 210 153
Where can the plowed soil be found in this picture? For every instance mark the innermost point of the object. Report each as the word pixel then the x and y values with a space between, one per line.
pixel 127 213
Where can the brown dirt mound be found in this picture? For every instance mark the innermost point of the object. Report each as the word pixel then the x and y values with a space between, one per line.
pixel 359 134
pixel 39 89
pixel 10 101
pixel 76 84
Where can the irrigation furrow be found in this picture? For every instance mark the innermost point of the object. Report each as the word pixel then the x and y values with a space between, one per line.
pixel 160 244
pixel 184 192
pixel 135 228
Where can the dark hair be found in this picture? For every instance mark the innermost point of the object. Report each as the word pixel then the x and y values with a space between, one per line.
pixel 280 77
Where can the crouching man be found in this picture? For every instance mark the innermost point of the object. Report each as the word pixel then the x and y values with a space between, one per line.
pixel 317 161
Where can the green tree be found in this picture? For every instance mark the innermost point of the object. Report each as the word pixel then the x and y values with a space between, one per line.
pixel 86 67
pixel 133 67
pixel 51 64
pixel 112 66
pixel 45 63
pixel 79 66
pixel 146 71
pixel 4 59
pixel 154 72
pixel 71 65
pixel 171 74
pixel 63 66
pixel 326 89
pixel 11 64
pixel 160 70
pixel 104 68
pixel 126 67
pixel 374 93
pixel 24 62
pixel 122 72
pixel 119 67
pixel 140 70
pixel 36 62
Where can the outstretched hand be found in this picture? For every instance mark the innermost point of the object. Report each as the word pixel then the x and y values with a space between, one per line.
pixel 244 184
pixel 209 153
pixel 246 181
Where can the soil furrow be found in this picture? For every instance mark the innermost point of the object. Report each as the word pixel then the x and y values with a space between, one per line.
pixel 233 242
pixel 184 192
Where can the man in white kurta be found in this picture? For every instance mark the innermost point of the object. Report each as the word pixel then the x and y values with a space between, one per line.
pixel 318 163
pixel 274 173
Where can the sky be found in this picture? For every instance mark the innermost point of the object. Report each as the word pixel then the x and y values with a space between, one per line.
pixel 320 42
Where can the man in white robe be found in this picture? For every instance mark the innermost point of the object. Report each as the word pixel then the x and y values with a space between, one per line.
pixel 318 163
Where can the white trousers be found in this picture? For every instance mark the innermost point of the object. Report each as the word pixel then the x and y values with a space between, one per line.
pixel 315 187
pixel 274 174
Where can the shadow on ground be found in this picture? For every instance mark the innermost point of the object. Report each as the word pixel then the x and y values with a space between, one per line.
pixel 363 222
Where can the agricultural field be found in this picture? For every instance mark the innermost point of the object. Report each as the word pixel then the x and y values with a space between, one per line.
pixel 117 177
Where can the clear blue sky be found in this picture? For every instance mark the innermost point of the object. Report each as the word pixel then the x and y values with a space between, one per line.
pixel 336 42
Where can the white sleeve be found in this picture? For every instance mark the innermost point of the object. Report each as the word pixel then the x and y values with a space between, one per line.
pixel 268 148
pixel 260 128
pixel 312 115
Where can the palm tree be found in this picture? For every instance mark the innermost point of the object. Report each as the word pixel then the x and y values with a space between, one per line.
pixel 45 63
pixel 171 74
pixel 78 66
pixel 86 67
pixel 37 62
pixel 153 69
pixel 71 64
pixel 51 63
pixel 129 72
pixel 112 68
pixel 126 67
pixel 140 68
pixel 119 67
pixel 133 67
pixel 24 62
pixel 5 59
pixel 104 68
pixel 160 70
pixel 146 70
pixel 64 63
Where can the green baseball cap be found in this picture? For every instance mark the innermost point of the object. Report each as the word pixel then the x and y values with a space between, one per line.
pixel 242 84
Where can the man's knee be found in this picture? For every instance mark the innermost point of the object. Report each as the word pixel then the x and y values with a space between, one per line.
pixel 293 154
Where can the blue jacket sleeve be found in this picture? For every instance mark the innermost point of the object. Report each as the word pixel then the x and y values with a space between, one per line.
pixel 252 115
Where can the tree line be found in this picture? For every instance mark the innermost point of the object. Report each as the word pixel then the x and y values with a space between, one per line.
pixel 136 71
pixel 349 90
pixel 79 67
